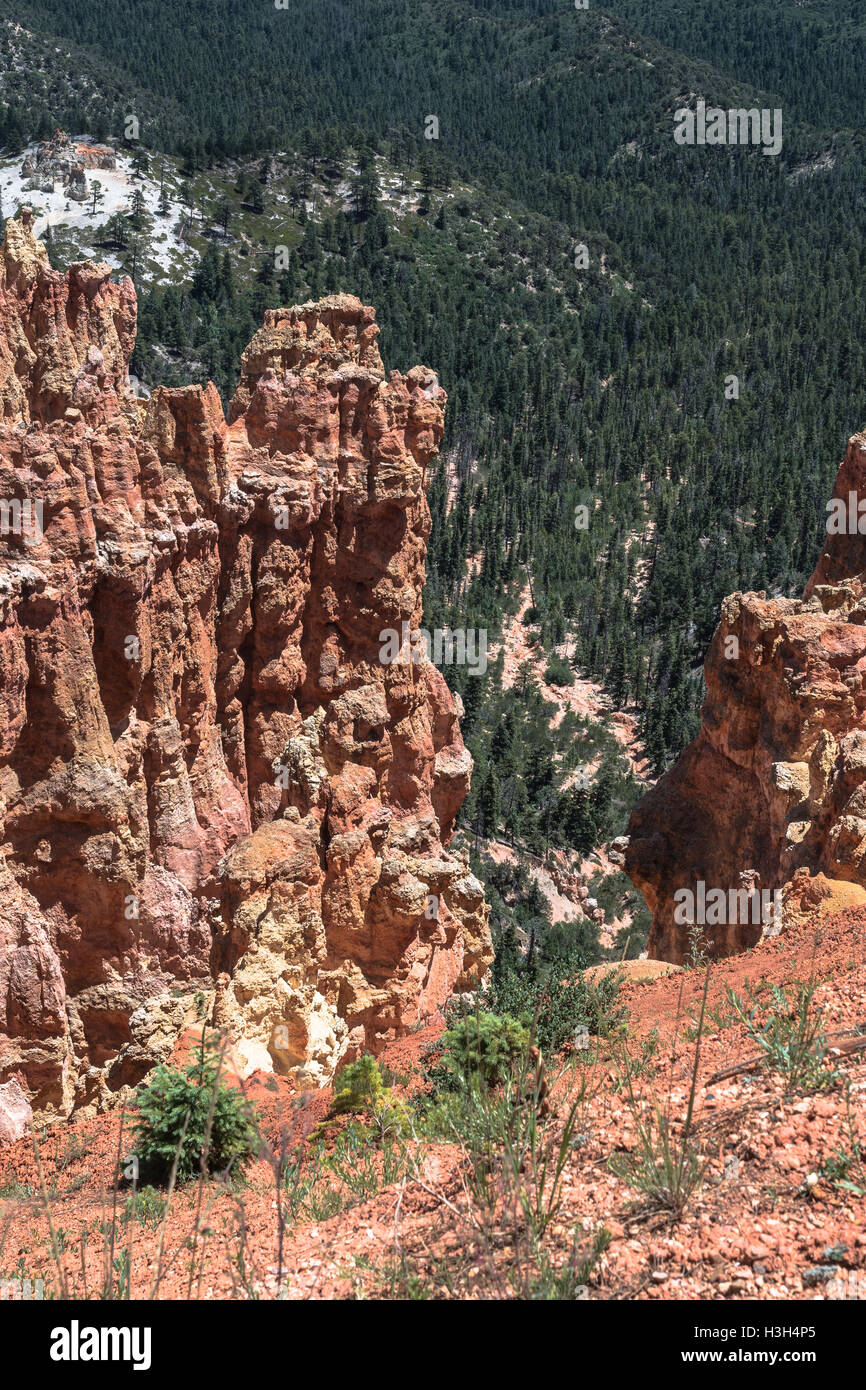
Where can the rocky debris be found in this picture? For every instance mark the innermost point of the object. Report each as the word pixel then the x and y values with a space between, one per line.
pixel 572 885
pixel 206 769
pixel 616 850
pixel 773 787
pixel 61 160
pixel 814 896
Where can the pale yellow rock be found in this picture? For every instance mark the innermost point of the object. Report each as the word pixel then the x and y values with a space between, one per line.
pixel 633 971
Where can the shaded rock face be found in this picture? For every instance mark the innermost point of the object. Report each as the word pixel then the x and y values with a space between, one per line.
pixel 773 790
pixel 215 800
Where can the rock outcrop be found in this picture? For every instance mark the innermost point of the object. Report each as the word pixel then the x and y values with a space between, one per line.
pixel 772 792
pixel 60 160
pixel 216 801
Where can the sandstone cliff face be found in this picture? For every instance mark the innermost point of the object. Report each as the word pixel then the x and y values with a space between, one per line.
pixel 215 800
pixel 772 792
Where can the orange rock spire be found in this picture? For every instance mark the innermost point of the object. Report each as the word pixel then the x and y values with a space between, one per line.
pixel 205 767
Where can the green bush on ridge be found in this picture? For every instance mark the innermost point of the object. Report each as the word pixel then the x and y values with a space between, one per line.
pixel 191 1117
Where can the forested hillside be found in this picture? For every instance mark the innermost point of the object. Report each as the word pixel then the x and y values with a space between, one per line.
pixel 810 55
pixel 599 385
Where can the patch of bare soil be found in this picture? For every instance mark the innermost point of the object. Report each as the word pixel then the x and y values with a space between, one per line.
pixel 585 698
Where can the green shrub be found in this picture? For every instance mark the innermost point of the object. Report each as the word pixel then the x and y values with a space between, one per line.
pixel 558 672
pixel 792 1040
pixel 362 1091
pixel 146 1206
pixel 482 1047
pixel 571 1280
pixel 194 1116
pixel 558 999
pixel 361 1087
pixel 517 1147
pixel 665 1165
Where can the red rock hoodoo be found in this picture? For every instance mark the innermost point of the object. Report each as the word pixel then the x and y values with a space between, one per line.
pixel 771 795
pixel 215 799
